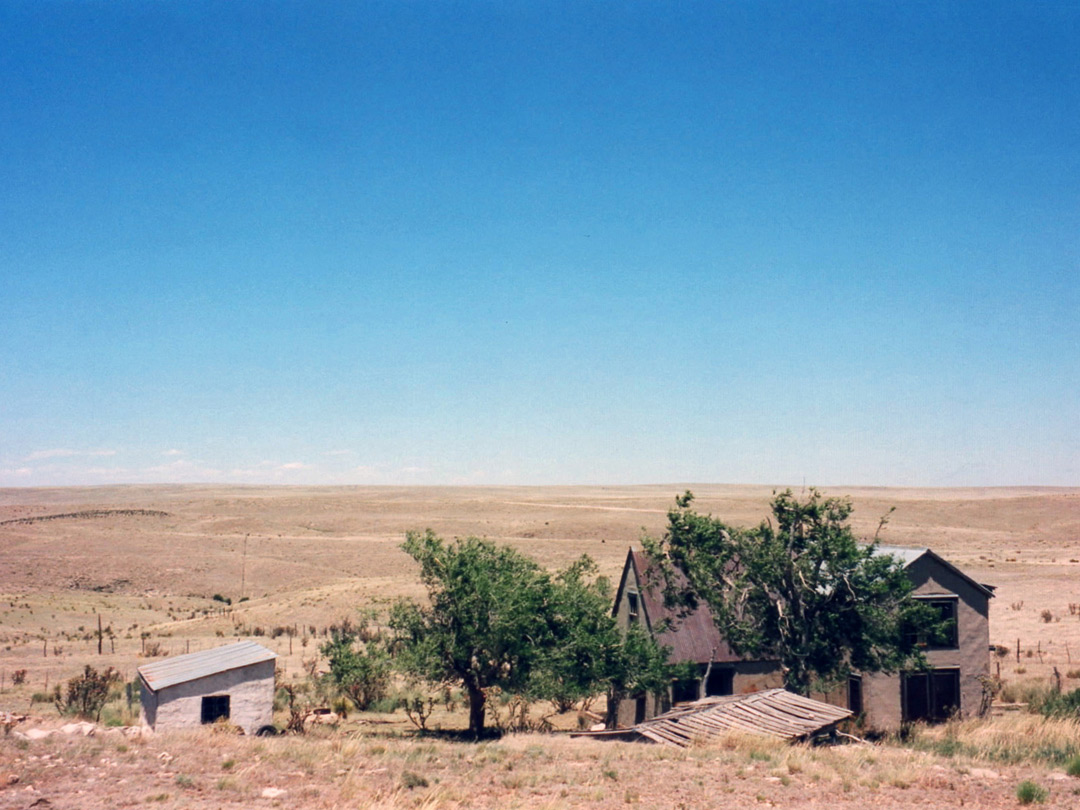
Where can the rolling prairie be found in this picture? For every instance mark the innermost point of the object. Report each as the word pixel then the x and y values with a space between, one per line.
pixel 150 560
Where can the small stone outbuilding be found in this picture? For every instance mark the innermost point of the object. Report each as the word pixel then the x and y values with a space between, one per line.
pixel 234 683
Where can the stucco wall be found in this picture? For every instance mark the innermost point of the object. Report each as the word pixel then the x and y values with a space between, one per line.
pixel 882 698
pixel 251 699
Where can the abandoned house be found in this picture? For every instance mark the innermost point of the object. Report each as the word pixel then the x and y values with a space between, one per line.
pixel 952 685
pixel 234 683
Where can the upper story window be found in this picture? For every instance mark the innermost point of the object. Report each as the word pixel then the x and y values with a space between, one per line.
pixel 946 608
pixel 632 606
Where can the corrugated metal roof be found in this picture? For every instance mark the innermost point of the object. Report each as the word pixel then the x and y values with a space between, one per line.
pixel 904 554
pixel 773 713
pixel 191 667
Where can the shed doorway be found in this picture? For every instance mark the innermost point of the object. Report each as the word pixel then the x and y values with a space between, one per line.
pixel 214 708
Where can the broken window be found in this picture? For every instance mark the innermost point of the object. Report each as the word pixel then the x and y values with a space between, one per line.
pixel 931 696
pixel 721 681
pixel 215 707
pixel 854 695
pixel 685 690
pixel 632 606
pixel 946 609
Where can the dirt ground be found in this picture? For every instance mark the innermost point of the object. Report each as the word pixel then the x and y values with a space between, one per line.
pixel 149 560
pixel 362 769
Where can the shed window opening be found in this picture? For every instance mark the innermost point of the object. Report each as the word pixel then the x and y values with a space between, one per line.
pixel 214 708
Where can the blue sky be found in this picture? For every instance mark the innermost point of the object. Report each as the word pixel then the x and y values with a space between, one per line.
pixel 540 243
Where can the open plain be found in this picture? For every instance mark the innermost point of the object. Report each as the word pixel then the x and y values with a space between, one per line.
pixel 149 561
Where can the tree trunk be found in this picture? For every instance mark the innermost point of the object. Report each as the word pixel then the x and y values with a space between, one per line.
pixel 797 680
pixel 611 715
pixel 476 710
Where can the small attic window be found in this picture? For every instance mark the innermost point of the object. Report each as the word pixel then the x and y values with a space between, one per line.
pixel 632 606
pixel 215 707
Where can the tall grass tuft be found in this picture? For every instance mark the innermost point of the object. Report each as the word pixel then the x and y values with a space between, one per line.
pixel 1028 792
pixel 1013 740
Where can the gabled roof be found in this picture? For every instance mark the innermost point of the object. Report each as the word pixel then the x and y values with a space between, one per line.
pixel 908 556
pixel 692 637
pixel 191 667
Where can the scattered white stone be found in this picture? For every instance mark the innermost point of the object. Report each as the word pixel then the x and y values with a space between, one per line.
pixel 272 792
pixel 37 734
pixel 983 773
pixel 84 728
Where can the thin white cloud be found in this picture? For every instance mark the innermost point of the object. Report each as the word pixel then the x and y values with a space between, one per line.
pixel 61 452
pixel 415 470
pixel 293 465
pixel 190 470
pixel 340 453
pixel 173 452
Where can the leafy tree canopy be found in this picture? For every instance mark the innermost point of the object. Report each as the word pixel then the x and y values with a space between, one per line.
pixel 496 619
pixel 798 589
pixel 360 666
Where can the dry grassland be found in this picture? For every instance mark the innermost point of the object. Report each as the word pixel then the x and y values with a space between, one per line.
pixel 314 555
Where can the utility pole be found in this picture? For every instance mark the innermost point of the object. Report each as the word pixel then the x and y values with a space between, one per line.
pixel 243 568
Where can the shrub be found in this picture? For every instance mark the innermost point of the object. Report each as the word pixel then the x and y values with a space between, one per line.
pixel 360 668
pixel 18 677
pixel 413 780
pixel 1047 616
pixel 1029 792
pixel 1073 768
pixel 219 598
pixel 153 649
pixel 86 694
pixel 1063 705
pixel 386 705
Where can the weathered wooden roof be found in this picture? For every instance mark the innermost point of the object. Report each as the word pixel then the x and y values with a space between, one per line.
pixel 191 667
pixel 772 712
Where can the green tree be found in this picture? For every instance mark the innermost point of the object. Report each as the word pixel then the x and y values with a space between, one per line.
pixel 798 589
pixel 360 666
pixel 496 619
pixel 488 623
pixel 591 655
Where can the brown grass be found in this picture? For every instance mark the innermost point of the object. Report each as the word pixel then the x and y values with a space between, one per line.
pixel 359 769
